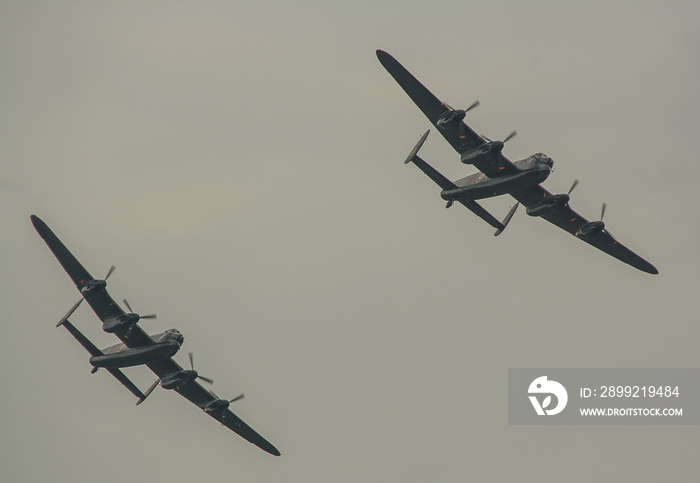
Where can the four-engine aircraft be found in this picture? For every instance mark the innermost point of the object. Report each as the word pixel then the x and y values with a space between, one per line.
pixel 139 348
pixel 499 175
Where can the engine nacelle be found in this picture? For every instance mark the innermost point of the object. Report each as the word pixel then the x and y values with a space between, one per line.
pixel 592 228
pixel 548 205
pixel 218 405
pixel 451 118
pixel 491 148
pixel 93 285
pixel 121 323
pixel 179 379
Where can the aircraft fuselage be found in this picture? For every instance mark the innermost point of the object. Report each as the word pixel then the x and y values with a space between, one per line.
pixel 166 345
pixel 531 172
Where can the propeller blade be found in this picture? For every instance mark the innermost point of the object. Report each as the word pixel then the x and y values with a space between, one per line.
pixel 573 186
pixel 127 305
pixel 149 316
pixel 206 379
pixel 602 213
pixel 237 398
pixel 487 139
pixel 475 104
pixel 510 136
pixel 111 269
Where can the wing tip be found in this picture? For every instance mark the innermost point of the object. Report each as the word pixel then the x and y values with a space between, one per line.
pixel 651 269
pixel 268 448
pixel 39 225
pixel 384 57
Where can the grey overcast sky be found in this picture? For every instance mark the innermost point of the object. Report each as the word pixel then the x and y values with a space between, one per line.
pixel 241 165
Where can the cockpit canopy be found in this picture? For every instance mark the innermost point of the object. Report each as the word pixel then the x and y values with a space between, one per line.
pixel 170 334
pixel 535 160
pixel 541 158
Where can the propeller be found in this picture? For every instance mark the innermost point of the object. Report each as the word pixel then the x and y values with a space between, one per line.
pixel 221 404
pixel 206 379
pixel 474 104
pixel 593 228
pixel 508 138
pixel 136 318
pixel 237 398
pixel 574 185
pixel 109 272
pixel 458 115
pixel 149 316
pixel 564 199
pixel 88 285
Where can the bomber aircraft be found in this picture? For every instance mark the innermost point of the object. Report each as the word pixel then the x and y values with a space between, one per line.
pixel 139 348
pixel 498 175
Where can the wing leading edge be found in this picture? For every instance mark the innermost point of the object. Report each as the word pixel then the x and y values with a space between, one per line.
pixel 568 220
pixel 456 132
pixel 105 308
pixel 199 396
pixel 100 301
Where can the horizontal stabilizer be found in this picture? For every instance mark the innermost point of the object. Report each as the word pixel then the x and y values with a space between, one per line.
pixel 84 341
pixel 94 351
pixel 481 212
pixel 433 174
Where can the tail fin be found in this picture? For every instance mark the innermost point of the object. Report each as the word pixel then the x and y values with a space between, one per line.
pixel 415 150
pixel 64 319
pixel 506 220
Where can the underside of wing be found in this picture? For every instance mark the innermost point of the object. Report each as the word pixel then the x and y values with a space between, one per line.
pixel 201 397
pixel 481 212
pixel 567 219
pixel 462 138
pixel 449 122
pixel 94 351
pixel 236 424
pixel 100 301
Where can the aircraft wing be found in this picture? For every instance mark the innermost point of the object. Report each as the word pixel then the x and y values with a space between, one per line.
pixel 568 220
pixel 101 302
pixel 200 396
pixel 459 135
